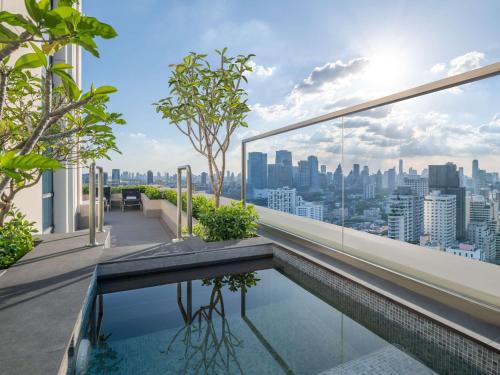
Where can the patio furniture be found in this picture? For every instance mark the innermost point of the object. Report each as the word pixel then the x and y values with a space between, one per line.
pixel 107 197
pixel 131 198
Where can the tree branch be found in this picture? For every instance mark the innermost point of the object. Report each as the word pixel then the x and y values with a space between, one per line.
pixel 12 46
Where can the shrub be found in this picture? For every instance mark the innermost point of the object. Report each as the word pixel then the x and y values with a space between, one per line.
pixel 152 192
pixel 170 195
pixel 202 204
pixel 16 238
pixel 234 221
pixel 85 189
pixel 118 189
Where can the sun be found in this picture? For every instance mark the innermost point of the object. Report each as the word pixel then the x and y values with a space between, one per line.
pixel 387 69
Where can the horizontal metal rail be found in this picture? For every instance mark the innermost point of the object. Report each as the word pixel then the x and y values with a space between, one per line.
pixel 428 88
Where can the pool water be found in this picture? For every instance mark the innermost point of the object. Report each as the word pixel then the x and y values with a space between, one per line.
pixel 253 323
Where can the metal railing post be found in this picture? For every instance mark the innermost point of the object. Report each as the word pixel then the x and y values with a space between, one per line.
pixel 189 201
pixel 179 205
pixel 243 172
pixel 92 241
pixel 100 188
pixel 189 205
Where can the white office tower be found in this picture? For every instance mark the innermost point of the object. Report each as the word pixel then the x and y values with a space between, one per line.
pixel 418 185
pixel 310 210
pixel 440 218
pixel 406 216
pixel 283 199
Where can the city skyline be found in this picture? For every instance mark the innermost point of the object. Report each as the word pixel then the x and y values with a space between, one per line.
pixel 295 79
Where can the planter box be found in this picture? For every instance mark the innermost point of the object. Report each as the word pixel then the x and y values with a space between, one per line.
pixel 163 209
pixel 150 207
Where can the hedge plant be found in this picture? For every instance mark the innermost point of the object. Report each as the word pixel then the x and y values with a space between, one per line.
pixel 16 238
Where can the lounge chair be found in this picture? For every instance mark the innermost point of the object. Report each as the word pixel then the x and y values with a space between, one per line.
pixel 130 198
pixel 107 196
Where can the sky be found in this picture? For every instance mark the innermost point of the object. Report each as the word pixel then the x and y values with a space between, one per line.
pixel 312 57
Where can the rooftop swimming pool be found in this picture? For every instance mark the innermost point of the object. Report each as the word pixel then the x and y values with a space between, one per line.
pixel 275 320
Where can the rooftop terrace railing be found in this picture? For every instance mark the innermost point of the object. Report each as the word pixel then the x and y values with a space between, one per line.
pixel 370 216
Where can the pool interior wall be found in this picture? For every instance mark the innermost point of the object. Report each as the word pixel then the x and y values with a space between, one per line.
pixel 347 325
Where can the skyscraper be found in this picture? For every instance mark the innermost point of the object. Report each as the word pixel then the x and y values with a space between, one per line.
pixel 149 177
pixel 304 176
pixel 115 177
pixel 284 157
pixel 440 218
pixel 337 178
pixel 476 183
pixel 283 170
pixel 446 179
pixel 313 172
pixel 257 171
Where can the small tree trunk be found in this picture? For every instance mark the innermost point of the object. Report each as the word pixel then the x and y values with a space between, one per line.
pixel 4 210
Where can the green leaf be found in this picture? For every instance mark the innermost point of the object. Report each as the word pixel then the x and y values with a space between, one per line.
pixel 69 83
pixel 105 90
pixel 7 34
pixel 97 28
pixel 11 163
pixel 40 54
pixel 30 61
pixel 61 66
pixel 18 20
pixel 33 10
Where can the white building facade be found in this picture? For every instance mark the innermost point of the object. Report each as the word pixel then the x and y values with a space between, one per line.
pixel 440 218
pixel 53 204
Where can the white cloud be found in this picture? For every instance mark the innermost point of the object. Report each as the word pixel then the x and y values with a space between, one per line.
pixel 468 61
pixel 137 135
pixel 439 67
pixel 260 70
pixel 460 64
pixel 331 74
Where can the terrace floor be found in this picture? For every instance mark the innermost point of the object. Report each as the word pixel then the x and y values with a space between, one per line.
pixel 41 297
pixel 48 286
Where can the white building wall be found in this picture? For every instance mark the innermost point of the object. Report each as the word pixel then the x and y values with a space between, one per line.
pixel 67 182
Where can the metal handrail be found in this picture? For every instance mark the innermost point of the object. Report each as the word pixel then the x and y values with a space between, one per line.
pixel 100 188
pixel 428 88
pixel 92 208
pixel 189 205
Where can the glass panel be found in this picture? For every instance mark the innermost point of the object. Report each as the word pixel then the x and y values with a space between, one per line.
pixel 299 173
pixel 426 171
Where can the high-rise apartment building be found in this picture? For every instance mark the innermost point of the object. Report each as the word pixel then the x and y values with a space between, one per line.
pixel 310 210
pixel 283 199
pixel 440 218
pixel 446 179
pixel 406 216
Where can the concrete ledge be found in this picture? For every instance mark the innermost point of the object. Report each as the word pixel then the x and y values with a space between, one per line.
pixel 474 280
pixel 192 253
